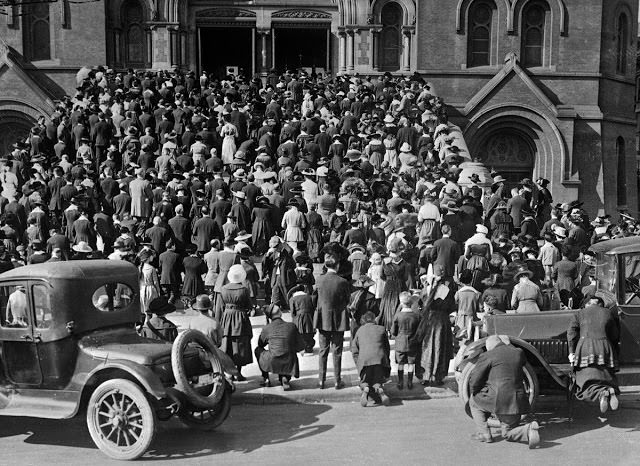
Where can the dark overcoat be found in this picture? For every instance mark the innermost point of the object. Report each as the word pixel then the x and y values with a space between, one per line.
pixel 496 381
pixel 370 347
pixel 284 342
pixel 332 297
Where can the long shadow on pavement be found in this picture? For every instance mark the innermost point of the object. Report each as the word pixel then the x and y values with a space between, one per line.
pixel 240 433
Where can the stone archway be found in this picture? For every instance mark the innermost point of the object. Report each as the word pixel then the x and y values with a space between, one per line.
pixel 510 152
pixel 13 126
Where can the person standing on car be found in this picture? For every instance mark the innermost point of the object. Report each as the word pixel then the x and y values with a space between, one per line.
pixel 593 337
pixel 157 326
pixel 496 386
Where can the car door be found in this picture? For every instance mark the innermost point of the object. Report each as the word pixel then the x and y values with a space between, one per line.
pixel 19 353
pixel 629 307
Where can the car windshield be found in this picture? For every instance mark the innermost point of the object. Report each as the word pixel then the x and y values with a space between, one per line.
pixel 606 273
pixel 112 297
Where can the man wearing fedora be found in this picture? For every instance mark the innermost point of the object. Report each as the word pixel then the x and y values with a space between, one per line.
pixel 496 387
pixel 203 322
pixel 156 326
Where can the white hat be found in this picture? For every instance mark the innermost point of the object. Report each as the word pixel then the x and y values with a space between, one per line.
pixel 322 171
pixel 482 229
pixel 236 274
pixel 405 147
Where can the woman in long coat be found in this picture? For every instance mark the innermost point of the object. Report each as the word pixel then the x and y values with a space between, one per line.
pixel 398 277
pixel 434 331
pixel 226 258
pixel 593 336
pixel 149 283
pixel 194 268
pixel 262 229
pixel 315 239
pixel 294 224
pixel 141 196
pixel 234 304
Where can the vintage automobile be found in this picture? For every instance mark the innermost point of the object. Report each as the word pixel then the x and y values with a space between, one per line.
pixel 68 344
pixel 543 335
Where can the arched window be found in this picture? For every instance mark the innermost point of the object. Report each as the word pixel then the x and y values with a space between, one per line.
pixel 622 171
pixel 133 34
pixel 390 37
pixel 622 41
pixel 533 26
pixel 37 31
pixel 479 34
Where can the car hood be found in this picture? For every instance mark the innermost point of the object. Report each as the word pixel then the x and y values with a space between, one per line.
pixel 125 344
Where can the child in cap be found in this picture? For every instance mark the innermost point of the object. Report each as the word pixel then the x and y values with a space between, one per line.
pixel 302 309
pixel 404 328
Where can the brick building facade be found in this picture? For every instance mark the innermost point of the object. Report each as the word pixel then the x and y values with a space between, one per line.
pixel 539 87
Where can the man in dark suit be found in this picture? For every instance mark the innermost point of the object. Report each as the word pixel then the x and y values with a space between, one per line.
pixel 101 135
pixel 331 297
pixel 284 342
pixel 370 349
pixel 204 230
pixel 220 207
pixel 181 228
pixel 158 235
pixel 170 263
pixel 445 252
pixel 496 387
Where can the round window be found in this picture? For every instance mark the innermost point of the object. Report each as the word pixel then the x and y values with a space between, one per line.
pixel 112 297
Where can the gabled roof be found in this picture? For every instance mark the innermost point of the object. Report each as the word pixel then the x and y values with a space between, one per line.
pixel 510 67
pixel 9 59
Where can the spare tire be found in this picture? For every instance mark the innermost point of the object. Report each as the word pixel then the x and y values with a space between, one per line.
pixel 207 399
pixel 530 380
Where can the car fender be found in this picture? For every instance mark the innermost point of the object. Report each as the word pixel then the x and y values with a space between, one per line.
pixel 473 350
pixel 114 368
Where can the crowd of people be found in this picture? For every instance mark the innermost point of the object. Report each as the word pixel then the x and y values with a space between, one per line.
pixel 197 179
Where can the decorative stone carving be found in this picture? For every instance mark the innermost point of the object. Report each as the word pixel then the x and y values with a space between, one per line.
pixel 301 14
pixel 225 13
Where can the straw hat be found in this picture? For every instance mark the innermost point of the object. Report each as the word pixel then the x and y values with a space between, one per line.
pixel 82 246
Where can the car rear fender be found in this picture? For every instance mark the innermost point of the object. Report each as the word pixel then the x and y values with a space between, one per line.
pixel 473 350
pixel 122 369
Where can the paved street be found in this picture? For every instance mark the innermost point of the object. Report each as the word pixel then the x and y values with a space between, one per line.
pixel 409 432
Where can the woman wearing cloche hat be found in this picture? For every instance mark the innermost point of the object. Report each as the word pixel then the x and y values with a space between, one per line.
pixel 232 311
pixel 526 295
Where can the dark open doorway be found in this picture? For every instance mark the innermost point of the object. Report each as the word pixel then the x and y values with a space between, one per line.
pixel 300 48
pixel 221 48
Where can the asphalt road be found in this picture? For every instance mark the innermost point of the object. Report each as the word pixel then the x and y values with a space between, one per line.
pixel 409 432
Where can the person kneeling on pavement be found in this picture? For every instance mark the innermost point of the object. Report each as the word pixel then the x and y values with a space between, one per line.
pixel 284 342
pixel 496 384
pixel 371 350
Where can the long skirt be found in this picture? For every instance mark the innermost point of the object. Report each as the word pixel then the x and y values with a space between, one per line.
pixel 315 243
pixel 437 346
pixel 389 302
pixel 239 348
pixel 594 381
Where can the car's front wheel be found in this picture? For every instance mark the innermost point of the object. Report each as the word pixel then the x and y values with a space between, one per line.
pixel 120 419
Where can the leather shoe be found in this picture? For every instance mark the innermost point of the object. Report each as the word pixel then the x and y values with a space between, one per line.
pixel 482 438
pixel 285 385
pixel 604 402
pixel 614 404
pixel 339 385
pixel 364 398
pixel 265 383
pixel 533 435
pixel 321 384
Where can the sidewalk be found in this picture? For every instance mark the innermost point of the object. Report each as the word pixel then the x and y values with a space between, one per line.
pixel 305 389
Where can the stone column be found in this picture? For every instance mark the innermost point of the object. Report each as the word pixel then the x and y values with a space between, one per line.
pixel 375 33
pixel 342 53
pixel 350 51
pixel 406 51
pixel 264 51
